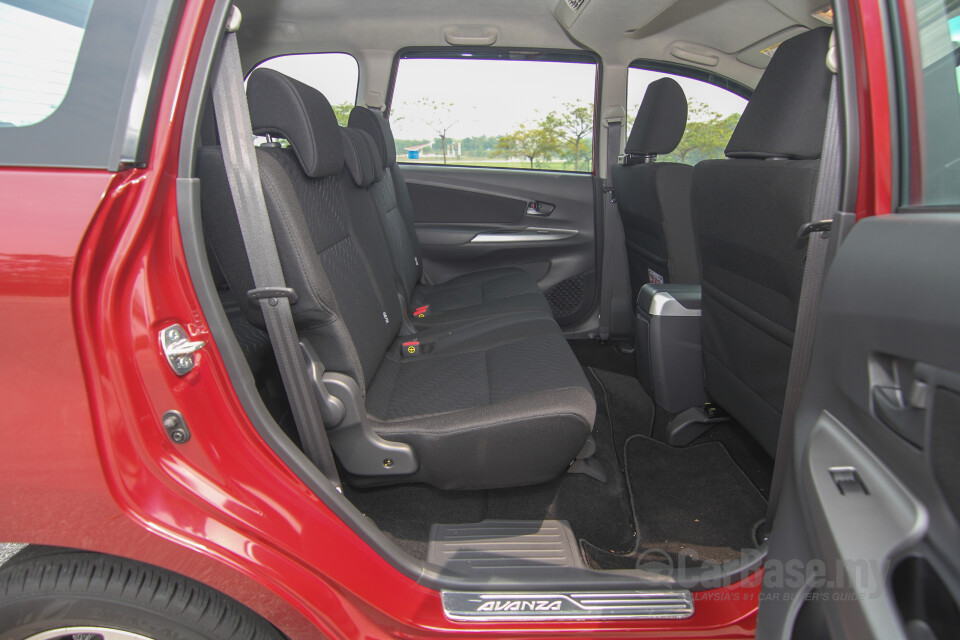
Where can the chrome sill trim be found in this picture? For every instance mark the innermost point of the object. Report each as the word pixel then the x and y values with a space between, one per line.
pixel 472 606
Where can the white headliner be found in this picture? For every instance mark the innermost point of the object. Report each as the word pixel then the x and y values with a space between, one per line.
pixel 620 31
pixel 730 33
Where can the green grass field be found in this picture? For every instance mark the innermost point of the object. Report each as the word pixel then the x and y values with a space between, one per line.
pixel 557 165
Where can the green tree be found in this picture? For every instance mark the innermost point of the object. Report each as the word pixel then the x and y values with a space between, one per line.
pixel 532 143
pixel 576 122
pixel 342 111
pixel 706 135
pixel 439 118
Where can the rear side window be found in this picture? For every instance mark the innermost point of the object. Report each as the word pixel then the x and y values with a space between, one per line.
pixel 80 80
pixel 929 89
pixel 39 43
pixel 335 75
pixel 712 114
pixel 495 109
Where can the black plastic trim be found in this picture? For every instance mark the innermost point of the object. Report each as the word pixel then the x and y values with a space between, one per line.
pixel 160 61
pixel 734 87
pixel 847 103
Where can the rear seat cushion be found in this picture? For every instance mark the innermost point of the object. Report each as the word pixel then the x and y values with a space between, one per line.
pixel 500 403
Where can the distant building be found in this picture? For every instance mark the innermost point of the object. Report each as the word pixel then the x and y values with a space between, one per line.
pixel 413 153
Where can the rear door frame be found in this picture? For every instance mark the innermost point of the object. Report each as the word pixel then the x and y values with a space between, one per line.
pixel 861 520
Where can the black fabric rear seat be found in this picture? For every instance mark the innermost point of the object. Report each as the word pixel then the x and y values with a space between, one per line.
pixel 493 401
pixel 483 293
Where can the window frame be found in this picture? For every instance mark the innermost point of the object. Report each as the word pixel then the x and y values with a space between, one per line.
pixel 693 73
pixel 504 53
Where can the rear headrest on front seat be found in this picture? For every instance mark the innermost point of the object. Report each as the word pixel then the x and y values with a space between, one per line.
pixel 661 120
pixel 362 157
pixel 787 113
pixel 301 115
pixel 377 126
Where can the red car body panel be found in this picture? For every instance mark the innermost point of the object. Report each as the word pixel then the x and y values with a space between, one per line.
pixel 91 268
pixel 869 38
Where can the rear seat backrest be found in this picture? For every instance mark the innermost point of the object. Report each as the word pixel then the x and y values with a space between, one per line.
pixel 349 249
pixel 346 308
pixel 654 197
pixel 392 198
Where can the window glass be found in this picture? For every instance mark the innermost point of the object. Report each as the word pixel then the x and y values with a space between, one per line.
pixel 39 43
pixel 712 114
pixel 930 96
pixel 522 114
pixel 335 75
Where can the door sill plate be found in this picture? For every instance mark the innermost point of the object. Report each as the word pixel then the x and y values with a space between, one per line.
pixel 474 606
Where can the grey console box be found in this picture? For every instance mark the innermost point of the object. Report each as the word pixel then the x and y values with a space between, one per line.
pixel 669 358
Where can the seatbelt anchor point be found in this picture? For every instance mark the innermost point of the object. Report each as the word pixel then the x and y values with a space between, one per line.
pixel 234 20
pixel 817 226
pixel 261 293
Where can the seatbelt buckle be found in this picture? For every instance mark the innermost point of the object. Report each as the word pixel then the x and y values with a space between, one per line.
pixel 817 226
pixel 421 312
pixel 410 349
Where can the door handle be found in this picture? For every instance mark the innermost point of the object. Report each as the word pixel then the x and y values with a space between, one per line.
pixel 538 208
pixel 907 417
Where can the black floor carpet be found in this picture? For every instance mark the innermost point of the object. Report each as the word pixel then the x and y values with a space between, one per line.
pixel 693 502
pixel 597 512
pixel 606 355
pixel 631 411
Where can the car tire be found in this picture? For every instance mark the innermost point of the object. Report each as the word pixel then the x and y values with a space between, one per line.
pixel 95 597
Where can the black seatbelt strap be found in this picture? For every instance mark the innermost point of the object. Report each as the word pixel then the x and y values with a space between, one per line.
pixel 825 205
pixel 610 219
pixel 243 174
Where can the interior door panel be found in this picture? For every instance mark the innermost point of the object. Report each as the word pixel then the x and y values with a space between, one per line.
pixel 432 204
pixel 469 219
pixel 873 489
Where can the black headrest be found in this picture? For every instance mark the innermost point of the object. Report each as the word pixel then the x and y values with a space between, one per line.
pixel 377 126
pixel 300 114
pixel 786 116
pixel 362 157
pixel 661 120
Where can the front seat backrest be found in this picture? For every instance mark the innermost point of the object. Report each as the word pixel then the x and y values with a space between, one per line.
pixel 747 211
pixel 654 197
